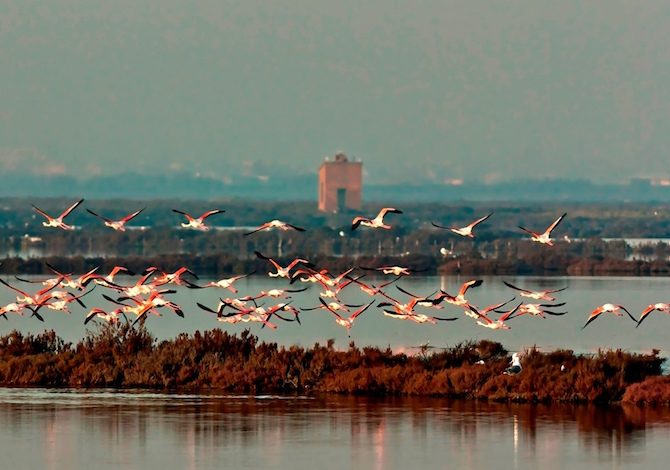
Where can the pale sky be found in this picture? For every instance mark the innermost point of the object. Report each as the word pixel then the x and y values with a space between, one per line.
pixel 427 89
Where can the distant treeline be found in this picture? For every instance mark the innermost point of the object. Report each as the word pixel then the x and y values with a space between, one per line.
pixel 500 247
pixel 538 263
pixel 303 187
pixel 122 357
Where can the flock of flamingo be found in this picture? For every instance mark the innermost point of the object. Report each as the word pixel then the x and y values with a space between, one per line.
pixel 148 294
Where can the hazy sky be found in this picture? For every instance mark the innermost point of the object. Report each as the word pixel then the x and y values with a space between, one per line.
pixel 435 88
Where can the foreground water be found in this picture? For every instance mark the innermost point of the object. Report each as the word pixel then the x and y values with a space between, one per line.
pixel 104 429
pixel 373 328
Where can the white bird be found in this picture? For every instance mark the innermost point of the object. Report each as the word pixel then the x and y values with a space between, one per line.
pixel 515 366
pixel 661 307
pixel 58 221
pixel 608 308
pixel 118 225
pixel 545 237
pixel 377 222
pixel 467 230
pixel 278 224
pixel 281 271
pixel 199 222
pixel 535 295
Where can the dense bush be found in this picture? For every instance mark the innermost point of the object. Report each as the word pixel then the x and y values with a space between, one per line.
pixel 124 357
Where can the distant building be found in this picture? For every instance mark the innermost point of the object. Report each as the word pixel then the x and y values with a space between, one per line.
pixel 340 184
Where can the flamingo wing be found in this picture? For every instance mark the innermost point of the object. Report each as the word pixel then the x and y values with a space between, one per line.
pixel 131 216
pixel 210 213
pixel 70 209
pixel 98 216
pixel 480 220
pixel 555 223
pixel 42 213
pixel 644 314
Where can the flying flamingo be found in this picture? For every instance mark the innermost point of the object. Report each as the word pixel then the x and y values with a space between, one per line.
pixel 377 222
pixel 371 289
pixel 276 293
pixel 227 283
pixel 539 310
pixel 278 224
pixel 608 308
pixel 199 222
pixel 467 230
pixel 349 321
pixel 395 270
pixel 281 272
pixel 661 307
pixel 474 312
pixel 118 225
pixel 58 221
pixel 498 324
pixel 544 238
pixel 536 295
pixel 459 299
pixel 110 317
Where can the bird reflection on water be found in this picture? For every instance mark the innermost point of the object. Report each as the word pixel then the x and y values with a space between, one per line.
pixel 143 430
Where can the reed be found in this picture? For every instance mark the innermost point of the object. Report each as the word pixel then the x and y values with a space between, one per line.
pixel 124 357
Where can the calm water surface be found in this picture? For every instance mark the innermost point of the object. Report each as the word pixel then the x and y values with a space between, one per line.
pixel 102 429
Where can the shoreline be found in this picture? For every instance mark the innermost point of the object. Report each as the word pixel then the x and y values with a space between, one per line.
pixel 224 265
pixel 122 358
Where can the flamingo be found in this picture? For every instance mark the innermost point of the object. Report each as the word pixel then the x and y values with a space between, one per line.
pixel 278 224
pixel 395 270
pixel 118 225
pixel 276 293
pixel 661 307
pixel 459 300
pixel 540 310
pixel 67 281
pixel 349 321
pixel 467 230
pixel 371 289
pixel 227 283
pixel 476 313
pixel 377 222
pixel 281 272
pixel 175 278
pixel 14 307
pixel 498 324
pixel 536 295
pixel 608 308
pixel 60 301
pixel 110 317
pixel 333 305
pixel 544 238
pixel 199 222
pixel 108 280
pixel 30 300
pixel 58 221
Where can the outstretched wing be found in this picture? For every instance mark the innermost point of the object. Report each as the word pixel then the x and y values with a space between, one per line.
pixel 97 215
pixel 555 224
pixel 70 209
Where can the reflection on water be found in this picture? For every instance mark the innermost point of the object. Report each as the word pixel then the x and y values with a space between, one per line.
pixel 56 429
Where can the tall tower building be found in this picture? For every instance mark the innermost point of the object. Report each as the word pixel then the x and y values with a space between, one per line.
pixel 340 184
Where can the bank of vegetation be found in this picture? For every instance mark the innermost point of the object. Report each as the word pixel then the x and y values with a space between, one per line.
pixel 125 358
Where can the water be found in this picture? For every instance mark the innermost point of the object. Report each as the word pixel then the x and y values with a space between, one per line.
pixel 71 429
pixel 104 429
pixel 372 328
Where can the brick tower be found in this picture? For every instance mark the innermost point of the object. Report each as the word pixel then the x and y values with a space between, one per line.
pixel 340 184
